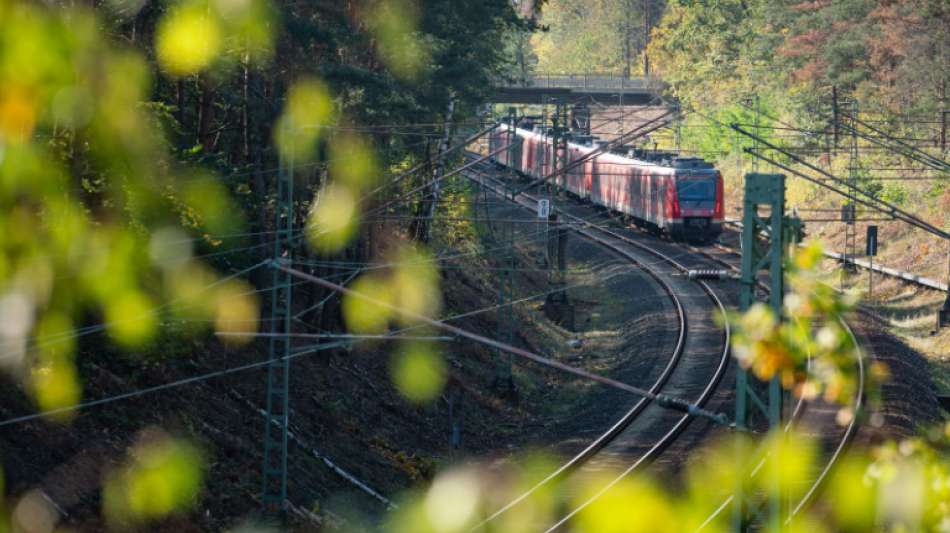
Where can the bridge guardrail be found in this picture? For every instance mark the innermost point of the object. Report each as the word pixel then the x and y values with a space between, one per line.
pixel 584 81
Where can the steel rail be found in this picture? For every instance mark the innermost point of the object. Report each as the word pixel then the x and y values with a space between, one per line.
pixel 800 406
pixel 668 402
pixel 625 422
pixel 667 439
pixel 904 276
pixel 850 429
pixel 627 418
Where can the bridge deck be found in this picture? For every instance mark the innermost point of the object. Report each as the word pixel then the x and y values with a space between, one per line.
pixel 600 88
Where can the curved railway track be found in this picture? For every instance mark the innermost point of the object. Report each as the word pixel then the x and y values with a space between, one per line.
pixel 698 366
pixel 815 415
pixel 818 415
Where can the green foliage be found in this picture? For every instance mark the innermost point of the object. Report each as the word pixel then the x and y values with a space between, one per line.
pixel 85 180
pixel 813 336
pixel 894 193
pixel 594 36
pixel 893 487
pixel 162 475
pixel 889 53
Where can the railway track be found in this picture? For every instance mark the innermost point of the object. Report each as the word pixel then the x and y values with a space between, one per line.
pixel 812 417
pixel 693 373
pixel 908 278
pixel 816 417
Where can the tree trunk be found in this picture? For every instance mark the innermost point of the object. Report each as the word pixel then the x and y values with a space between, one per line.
pixel 427 213
pixel 205 114
pixel 180 90
pixel 245 126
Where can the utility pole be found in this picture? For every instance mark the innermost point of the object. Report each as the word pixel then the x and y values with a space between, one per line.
pixel 646 38
pixel 556 305
pixel 274 487
pixel 679 132
pixel 943 131
pixel 627 45
pixel 622 117
pixel 850 212
pixel 454 400
pixel 943 314
pixel 835 117
pixel 757 409
pixel 504 380
pixel 755 125
pixel 541 162
pixel 426 225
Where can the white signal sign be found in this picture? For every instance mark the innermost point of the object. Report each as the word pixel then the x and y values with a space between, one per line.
pixel 544 208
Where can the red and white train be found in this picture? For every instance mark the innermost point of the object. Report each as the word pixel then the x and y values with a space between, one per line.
pixel 682 197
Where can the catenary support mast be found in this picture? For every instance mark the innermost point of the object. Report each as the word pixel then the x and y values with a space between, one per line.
pixel 274 490
pixel 766 235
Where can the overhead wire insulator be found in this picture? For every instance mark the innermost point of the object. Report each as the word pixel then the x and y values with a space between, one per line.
pixel 713 274
pixel 677 404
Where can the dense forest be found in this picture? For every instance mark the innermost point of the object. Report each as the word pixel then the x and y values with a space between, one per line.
pixel 893 56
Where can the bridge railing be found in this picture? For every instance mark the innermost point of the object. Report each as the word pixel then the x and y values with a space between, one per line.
pixel 588 81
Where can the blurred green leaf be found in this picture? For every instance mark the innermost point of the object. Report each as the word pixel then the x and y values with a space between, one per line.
pixel 161 476
pixel 419 371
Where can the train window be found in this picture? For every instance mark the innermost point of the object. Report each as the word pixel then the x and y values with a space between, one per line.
pixel 696 189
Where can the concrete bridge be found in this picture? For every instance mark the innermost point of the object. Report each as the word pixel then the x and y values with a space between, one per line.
pixel 590 88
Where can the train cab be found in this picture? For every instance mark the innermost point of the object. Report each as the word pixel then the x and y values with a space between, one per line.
pixel 697 205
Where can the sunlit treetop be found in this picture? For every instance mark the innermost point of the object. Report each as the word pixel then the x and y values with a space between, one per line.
pixel 195 35
pixel 394 23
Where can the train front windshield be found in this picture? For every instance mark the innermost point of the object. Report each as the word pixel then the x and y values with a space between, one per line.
pixel 696 192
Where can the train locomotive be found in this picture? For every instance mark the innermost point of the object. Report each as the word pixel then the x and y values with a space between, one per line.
pixel 677 196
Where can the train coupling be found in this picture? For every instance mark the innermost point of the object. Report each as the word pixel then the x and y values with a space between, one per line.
pixel 706 273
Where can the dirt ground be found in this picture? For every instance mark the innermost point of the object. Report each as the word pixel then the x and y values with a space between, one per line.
pixel 910 313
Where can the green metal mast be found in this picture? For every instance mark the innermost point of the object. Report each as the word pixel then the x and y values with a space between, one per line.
pixel 504 378
pixel 274 490
pixel 850 209
pixel 556 303
pixel 763 214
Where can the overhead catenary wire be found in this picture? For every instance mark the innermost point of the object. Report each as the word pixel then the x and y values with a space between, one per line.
pixel 365 197
pixel 661 399
pixel 103 326
pixel 57 338
pixel 639 131
pixel 166 386
pixel 211 375
pixel 393 181
pixel 903 148
pixel 468 140
pixel 872 201
pixel 391 336
pixel 419 188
